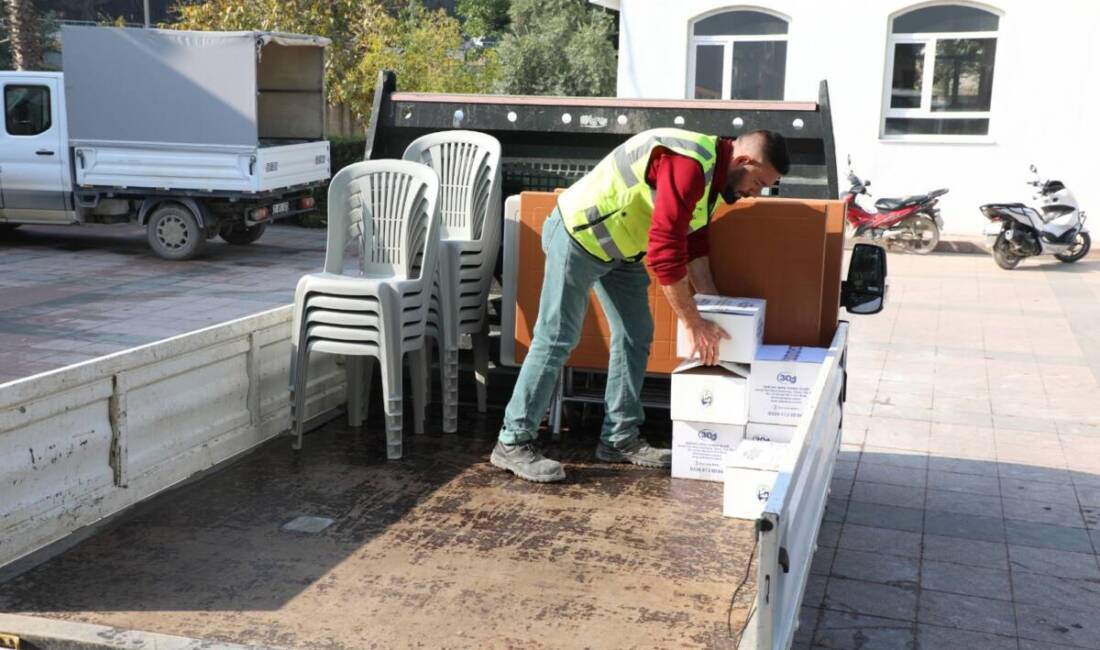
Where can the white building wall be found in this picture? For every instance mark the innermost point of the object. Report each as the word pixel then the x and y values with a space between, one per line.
pixel 1045 106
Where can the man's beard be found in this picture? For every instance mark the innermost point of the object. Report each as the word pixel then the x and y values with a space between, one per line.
pixel 733 179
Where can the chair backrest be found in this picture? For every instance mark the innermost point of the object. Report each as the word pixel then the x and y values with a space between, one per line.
pixel 468 165
pixel 391 208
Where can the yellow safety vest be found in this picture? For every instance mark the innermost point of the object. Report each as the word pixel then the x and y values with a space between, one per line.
pixel 609 211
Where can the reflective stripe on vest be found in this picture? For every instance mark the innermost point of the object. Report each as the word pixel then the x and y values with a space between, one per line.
pixel 609 211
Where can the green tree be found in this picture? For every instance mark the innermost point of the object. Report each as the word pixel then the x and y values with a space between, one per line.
pixel 558 47
pixel 423 47
pixel 483 18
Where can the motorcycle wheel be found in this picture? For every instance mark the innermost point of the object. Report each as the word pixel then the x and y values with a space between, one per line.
pixel 923 234
pixel 1079 249
pixel 1002 256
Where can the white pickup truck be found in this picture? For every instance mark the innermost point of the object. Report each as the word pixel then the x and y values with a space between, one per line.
pixel 191 134
pixel 334 547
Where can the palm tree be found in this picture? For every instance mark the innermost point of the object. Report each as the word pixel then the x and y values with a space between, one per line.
pixel 23 33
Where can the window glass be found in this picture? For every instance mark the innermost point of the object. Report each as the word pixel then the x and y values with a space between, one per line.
pixel 740 23
pixel 709 60
pixel 26 109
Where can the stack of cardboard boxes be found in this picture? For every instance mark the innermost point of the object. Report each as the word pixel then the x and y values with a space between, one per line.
pixel 710 404
pixel 733 422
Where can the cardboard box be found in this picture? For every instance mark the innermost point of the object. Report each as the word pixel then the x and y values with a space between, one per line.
pixel 749 473
pixel 769 432
pixel 699 448
pixel 743 320
pixel 781 380
pixel 718 394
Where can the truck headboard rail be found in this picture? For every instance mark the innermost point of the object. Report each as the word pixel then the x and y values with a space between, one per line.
pixel 549 142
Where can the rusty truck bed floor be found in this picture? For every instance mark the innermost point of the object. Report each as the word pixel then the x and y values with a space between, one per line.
pixel 438 550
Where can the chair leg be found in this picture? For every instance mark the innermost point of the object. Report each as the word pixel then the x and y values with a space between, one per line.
pixel 301 381
pixel 448 374
pixel 481 369
pixel 354 372
pixel 418 365
pixel 448 337
pixel 366 367
pixel 292 375
pixel 392 402
pixel 427 365
pixel 292 383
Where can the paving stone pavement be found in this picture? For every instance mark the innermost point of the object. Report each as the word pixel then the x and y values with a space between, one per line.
pixel 69 294
pixel 965 509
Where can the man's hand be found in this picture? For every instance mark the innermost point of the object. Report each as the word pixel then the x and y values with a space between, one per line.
pixel 705 337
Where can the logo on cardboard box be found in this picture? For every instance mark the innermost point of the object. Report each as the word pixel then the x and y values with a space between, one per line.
pixel 707 434
pixel 787 378
pixel 706 398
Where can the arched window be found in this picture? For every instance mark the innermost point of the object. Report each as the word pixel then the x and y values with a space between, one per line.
pixel 940 64
pixel 739 54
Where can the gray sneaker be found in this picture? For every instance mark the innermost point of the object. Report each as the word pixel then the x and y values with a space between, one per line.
pixel 638 452
pixel 527 463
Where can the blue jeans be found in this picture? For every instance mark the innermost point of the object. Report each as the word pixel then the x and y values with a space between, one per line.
pixel 571 273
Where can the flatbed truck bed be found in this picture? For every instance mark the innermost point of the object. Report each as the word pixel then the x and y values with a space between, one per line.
pixel 441 550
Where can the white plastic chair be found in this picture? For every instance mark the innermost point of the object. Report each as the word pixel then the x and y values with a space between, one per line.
pixel 468 165
pixel 379 311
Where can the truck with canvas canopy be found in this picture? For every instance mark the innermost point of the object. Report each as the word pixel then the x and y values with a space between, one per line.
pixel 190 134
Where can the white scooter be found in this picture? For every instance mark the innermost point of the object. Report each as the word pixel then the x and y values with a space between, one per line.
pixel 1057 228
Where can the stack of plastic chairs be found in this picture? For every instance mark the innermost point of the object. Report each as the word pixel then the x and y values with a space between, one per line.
pixel 379 311
pixel 468 166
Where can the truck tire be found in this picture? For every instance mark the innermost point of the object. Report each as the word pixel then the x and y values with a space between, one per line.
pixel 174 232
pixel 238 234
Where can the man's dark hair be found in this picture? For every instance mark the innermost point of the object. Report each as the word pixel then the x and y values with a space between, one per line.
pixel 775 150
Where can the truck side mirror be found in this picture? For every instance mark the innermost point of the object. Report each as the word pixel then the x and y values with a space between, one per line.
pixel 864 292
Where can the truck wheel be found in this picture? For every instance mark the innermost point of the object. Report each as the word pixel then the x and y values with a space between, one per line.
pixel 174 232
pixel 238 234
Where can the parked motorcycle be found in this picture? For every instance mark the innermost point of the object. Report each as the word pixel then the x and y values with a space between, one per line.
pixel 1057 228
pixel 912 222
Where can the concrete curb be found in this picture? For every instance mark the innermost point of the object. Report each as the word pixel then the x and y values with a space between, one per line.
pixel 38 633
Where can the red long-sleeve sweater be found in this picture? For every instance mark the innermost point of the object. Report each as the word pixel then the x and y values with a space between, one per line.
pixel 679 182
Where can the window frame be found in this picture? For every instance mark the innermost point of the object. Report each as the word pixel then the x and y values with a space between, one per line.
pixel 930 40
pixel 49 109
pixel 728 42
